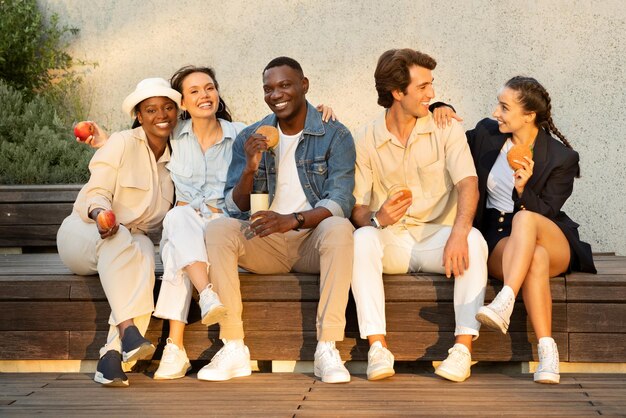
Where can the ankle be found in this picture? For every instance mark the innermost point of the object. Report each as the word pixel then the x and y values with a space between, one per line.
pixel 325 345
pixel 546 341
pixel 233 343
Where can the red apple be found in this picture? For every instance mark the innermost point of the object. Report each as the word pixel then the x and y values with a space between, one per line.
pixel 83 130
pixel 106 220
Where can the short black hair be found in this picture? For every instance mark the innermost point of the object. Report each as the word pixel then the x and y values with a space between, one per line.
pixel 280 61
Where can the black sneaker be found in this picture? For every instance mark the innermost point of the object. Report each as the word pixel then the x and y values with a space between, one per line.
pixel 135 346
pixel 109 371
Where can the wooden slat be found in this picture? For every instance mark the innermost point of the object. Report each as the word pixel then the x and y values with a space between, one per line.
pixel 596 288
pixel 600 317
pixel 53 315
pixel 39 193
pixel 597 347
pixel 34 345
pixel 34 214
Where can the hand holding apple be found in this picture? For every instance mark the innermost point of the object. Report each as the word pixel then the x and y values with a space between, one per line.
pixel 90 133
pixel 105 221
pixel 83 130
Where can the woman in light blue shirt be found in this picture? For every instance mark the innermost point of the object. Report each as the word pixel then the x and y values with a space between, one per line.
pixel 201 153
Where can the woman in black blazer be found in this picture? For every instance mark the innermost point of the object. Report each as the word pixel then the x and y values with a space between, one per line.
pixel 519 212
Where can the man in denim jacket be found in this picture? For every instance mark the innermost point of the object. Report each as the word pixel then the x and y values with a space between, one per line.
pixel 309 177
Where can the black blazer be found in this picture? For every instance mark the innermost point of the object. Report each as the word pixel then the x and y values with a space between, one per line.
pixel 548 188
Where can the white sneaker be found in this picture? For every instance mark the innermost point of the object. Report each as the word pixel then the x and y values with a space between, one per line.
pixel 379 362
pixel 497 314
pixel 548 368
pixel 457 366
pixel 328 365
pixel 174 363
pixel 211 308
pixel 233 360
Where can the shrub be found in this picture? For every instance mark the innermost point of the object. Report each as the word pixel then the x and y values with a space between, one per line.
pixel 31 52
pixel 36 146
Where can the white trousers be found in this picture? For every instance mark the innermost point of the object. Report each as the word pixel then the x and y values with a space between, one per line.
pixel 395 251
pixel 182 244
pixel 125 264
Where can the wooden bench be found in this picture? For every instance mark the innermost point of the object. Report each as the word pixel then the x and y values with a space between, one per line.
pixel 46 312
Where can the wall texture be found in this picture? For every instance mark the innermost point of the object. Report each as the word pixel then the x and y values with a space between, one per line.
pixel 575 48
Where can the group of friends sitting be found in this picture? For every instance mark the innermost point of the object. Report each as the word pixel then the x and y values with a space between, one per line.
pixel 409 191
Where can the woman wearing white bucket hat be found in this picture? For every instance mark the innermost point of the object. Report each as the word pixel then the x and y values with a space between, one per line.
pixel 129 177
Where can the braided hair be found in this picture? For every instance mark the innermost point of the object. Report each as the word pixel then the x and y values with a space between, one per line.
pixel 535 98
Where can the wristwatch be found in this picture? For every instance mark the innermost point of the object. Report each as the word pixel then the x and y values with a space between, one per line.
pixel 374 222
pixel 300 218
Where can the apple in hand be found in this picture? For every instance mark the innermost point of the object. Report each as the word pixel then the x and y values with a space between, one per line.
pixel 106 220
pixel 83 130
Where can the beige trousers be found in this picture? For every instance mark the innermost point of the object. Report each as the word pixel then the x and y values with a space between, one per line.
pixel 125 264
pixel 326 249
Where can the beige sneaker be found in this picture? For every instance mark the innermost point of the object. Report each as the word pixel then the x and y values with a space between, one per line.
pixel 379 362
pixel 232 360
pixel 327 364
pixel 548 369
pixel 497 314
pixel 211 308
pixel 456 367
pixel 174 363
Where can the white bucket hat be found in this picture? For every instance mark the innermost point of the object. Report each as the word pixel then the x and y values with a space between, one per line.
pixel 149 87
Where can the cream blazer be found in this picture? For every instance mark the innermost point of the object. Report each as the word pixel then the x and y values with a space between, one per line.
pixel 126 178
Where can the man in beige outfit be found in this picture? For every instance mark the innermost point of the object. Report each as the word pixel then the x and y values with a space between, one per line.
pixel 309 178
pixel 416 194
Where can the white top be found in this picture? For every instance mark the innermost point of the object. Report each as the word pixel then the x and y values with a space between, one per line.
pixel 290 195
pixel 500 182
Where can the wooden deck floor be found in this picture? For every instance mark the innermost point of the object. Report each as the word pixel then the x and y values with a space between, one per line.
pixel 295 395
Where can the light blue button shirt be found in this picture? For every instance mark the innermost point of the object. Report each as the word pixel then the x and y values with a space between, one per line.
pixel 200 177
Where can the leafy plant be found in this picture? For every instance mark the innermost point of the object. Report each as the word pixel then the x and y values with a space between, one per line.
pixel 31 50
pixel 38 100
pixel 36 146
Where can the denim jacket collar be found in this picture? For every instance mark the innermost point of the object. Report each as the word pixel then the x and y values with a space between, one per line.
pixel 313 124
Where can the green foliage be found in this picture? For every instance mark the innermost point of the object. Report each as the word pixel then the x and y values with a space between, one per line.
pixel 31 52
pixel 36 145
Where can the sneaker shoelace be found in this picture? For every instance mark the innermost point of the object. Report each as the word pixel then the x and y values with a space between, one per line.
pixel 502 303
pixel 548 360
pixel 332 358
pixel 222 355
pixel 379 354
pixel 169 354
pixel 457 357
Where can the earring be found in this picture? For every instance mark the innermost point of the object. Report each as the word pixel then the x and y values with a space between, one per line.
pixel 223 106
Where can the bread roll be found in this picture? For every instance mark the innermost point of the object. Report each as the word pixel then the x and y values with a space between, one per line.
pixel 269 132
pixel 518 152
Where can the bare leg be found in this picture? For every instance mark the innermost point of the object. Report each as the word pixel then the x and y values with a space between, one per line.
pixel 177 330
pixel 466 340
pixel 536 292
pixel 549 252
pixel 529 230
pixel 198 274
pixel 371 339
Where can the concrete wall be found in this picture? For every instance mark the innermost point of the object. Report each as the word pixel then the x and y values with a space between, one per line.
pixel 576 48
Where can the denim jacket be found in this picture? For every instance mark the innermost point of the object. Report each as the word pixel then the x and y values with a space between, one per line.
pixel 325 158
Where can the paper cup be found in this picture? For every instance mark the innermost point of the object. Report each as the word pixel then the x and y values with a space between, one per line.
pixel 259 201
